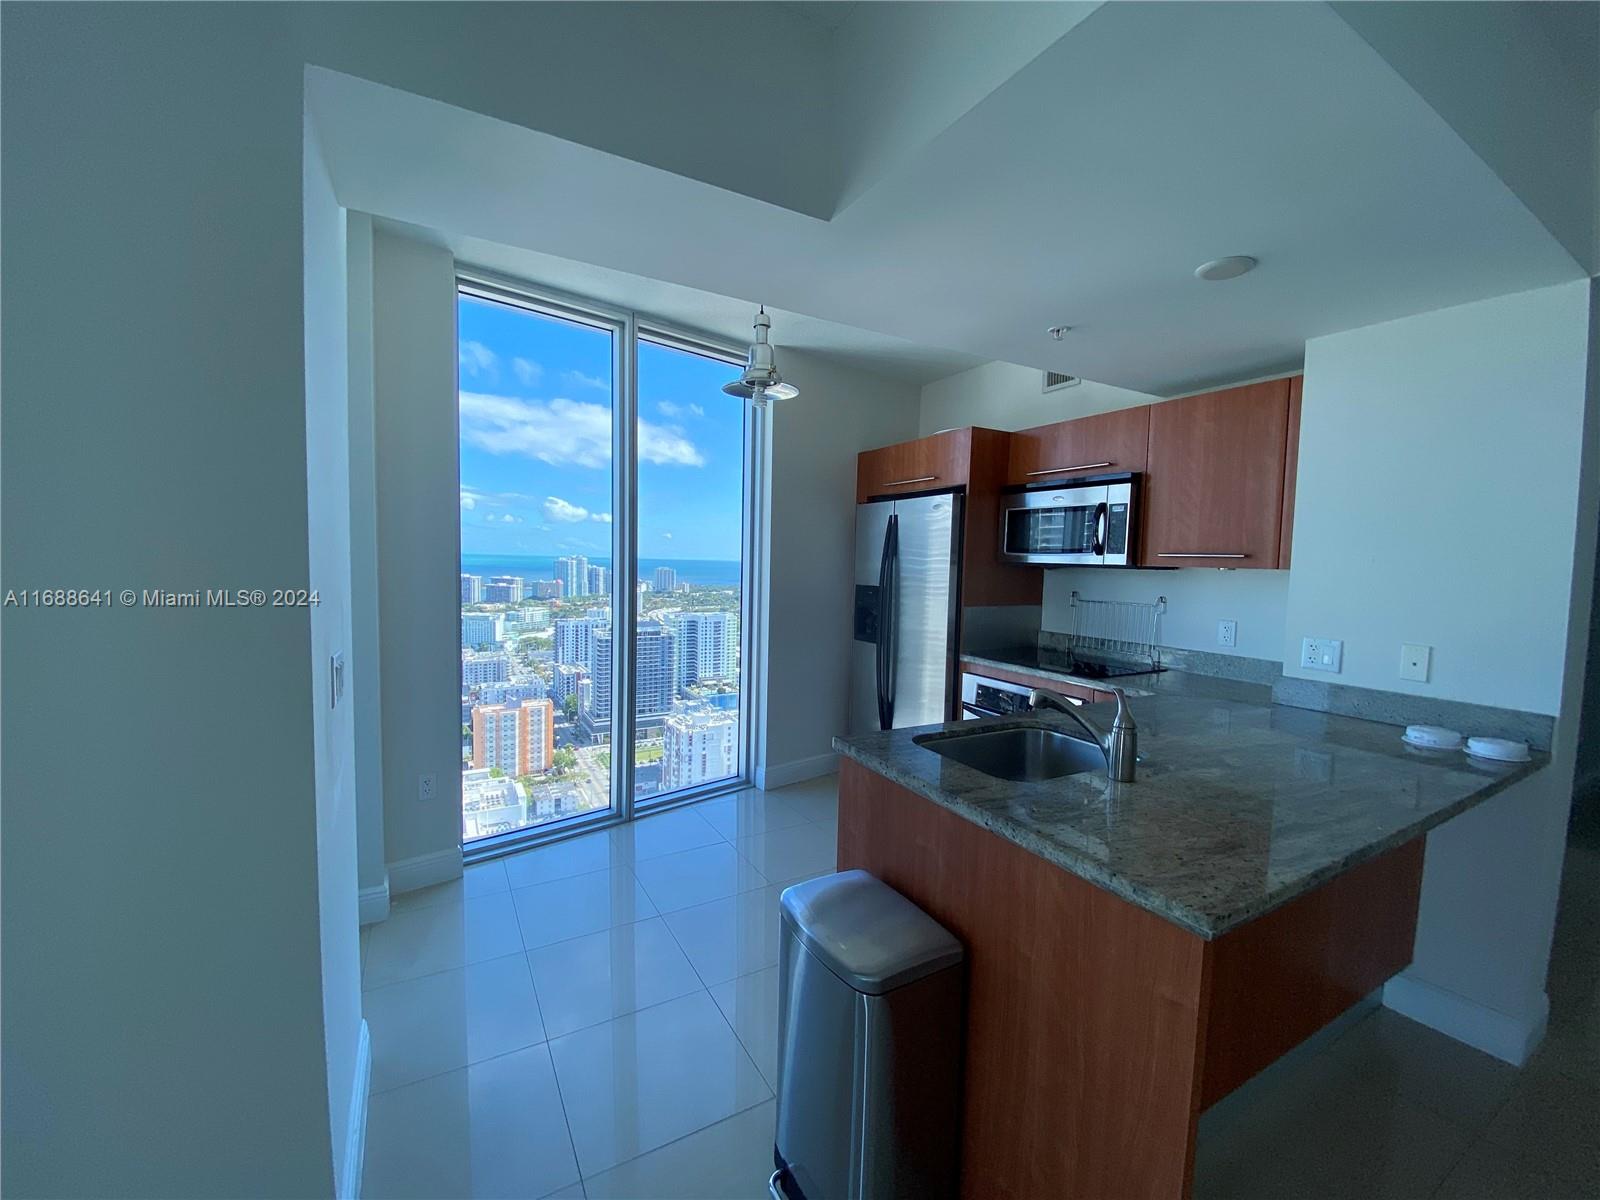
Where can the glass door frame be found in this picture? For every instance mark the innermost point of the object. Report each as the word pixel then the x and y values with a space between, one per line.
pixel 627 328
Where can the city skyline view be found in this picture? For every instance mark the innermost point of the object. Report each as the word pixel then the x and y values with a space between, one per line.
pixel 538 703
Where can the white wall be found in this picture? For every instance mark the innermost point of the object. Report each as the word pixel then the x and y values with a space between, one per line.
pixel 163 1000
pixel 1006 396
pixel 365 665
pixel 1423 442
pixel 814 440
pixel 327 376
pixel 1196 601
pixel 1436 498
pixel 418 504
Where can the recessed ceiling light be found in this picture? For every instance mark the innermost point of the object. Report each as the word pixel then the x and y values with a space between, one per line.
pixel 1059 331
pixel 1219 269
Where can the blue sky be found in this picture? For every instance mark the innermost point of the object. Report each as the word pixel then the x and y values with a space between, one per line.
pixel 536 442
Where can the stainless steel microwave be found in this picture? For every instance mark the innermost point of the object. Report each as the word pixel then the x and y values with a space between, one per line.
pixel 1087 523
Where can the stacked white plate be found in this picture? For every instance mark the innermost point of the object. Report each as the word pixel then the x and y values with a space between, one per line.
pixel 1497 749
pixel 1431 737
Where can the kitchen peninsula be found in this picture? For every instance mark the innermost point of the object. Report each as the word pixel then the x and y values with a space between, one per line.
pixel 1137 951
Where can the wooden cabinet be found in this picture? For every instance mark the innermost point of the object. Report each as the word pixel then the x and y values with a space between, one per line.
pixel 925 465
pixel 972 458
pixel 1291 468
pixel 1106 442
pixel 1214 486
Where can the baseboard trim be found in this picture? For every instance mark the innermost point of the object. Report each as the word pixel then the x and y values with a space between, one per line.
pixel 373 902
pixel 797 771
pixel 424 870
pixel 1511 1039
pixel 355 1143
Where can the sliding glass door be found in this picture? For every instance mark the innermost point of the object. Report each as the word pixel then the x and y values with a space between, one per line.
pixel 606 523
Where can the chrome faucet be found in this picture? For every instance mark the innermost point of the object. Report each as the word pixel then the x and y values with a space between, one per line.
pixel 1120 744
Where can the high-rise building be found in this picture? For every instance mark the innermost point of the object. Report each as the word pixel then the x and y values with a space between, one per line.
pixel 482 629
pixel 484 668
pixel 699 744
pixel 573 572
pixel 519 739
pixel 653 681
pixel 472 589
pixel 548 589
pixel 599 581
pixel 512 693
pixel 707 645
pixel 565 681
pixel 666 579
pixel 575 639
pixel 503 589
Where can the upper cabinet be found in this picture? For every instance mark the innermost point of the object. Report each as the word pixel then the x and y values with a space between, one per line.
pixel 1291 468
pixel 1214 486
pixel 925 465
pixel 1059 453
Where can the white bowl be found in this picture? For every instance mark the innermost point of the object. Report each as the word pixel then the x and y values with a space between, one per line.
pixel 1432 737
pixel 1497 749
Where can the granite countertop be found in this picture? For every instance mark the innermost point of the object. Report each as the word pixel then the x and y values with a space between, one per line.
pixel 1238 807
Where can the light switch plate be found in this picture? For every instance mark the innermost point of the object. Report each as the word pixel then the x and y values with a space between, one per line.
pixel 1415 659
pixel 1227 633
pixel 1322 654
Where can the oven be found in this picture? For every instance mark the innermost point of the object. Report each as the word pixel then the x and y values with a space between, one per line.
pixel 982 696
pixel 1087 523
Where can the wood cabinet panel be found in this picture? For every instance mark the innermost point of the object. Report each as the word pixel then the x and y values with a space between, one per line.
pixel 985 579
pixel 1084 1012
pixel 1281 978
pixel 1213 491
pixel 925 465
pixel 1103 443
pixel 1291 468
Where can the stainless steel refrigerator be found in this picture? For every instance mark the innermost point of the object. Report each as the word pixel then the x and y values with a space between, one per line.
pixel 902 663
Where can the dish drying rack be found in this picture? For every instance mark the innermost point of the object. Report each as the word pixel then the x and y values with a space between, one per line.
pixel 1122 628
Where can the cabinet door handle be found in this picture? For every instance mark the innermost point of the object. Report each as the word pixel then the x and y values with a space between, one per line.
pixel 903 482
pixel 1079 467
pixel 1163 555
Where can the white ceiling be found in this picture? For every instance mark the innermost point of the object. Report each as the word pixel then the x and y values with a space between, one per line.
pixel 1080 188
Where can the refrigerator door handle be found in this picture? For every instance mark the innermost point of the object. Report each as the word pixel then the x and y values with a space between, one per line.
pixel 887 601
pixel 880 669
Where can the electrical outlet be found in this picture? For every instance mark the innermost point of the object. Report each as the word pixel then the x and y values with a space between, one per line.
pixel 1321 654
pixel 427 787
pixel 1227 633
pixel 1415 659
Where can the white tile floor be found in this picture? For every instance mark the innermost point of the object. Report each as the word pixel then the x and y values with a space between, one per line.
pixel 599 1018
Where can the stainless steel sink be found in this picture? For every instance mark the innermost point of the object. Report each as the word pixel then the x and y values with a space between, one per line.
pixel 1024 754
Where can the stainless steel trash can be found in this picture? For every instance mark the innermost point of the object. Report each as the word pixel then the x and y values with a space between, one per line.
pixel 869 1045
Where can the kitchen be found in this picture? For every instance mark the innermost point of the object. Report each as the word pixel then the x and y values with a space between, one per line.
pixel 1117 585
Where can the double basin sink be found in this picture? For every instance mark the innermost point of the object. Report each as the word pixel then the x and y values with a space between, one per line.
pixel 1027 753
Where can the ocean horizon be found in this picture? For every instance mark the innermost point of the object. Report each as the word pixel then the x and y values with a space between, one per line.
pixel 709 572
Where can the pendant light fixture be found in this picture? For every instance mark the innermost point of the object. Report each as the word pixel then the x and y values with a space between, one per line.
pixel 760 381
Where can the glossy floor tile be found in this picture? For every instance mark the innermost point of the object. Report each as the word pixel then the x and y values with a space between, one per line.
pixel 731 937
pixel 568 908
pixel 689 877
pixel 441 936
pixel 638 1082
pixel 587 980
pixel 496 1129
pixel 730 1160
pixel 748 813
pixel 750 1004
pixel 665 833
pixel 436 1023
pixel 561 860
pixel 793 853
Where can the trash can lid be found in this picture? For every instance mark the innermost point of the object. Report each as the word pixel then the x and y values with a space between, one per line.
pixel 866 933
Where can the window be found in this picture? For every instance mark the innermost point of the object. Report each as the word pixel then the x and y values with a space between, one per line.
pixel 605 530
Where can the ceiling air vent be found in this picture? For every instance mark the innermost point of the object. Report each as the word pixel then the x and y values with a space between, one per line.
pixel 1054 381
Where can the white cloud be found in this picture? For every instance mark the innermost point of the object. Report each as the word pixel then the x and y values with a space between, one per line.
pixel 504 519
pixel 579 379
pixel 477 359
pixel 469 499
pixel 603 518
pixel 563 431
pixel 558 509
pixel 527 370
pixel 668 536
pixel 697 410
pixel 668 409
